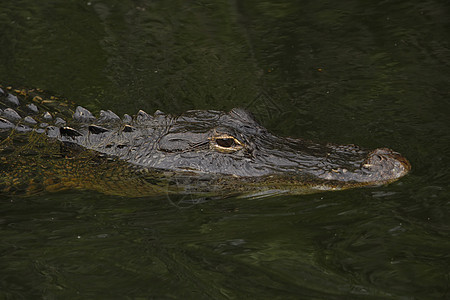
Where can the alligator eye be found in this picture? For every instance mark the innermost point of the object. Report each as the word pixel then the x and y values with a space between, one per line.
pixel 225 143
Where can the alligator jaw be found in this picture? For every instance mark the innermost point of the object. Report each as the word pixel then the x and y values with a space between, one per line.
pixel 381 166
pixel 378 167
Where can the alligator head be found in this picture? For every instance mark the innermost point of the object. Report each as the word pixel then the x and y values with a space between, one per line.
pixel 213 151
pixel 208 152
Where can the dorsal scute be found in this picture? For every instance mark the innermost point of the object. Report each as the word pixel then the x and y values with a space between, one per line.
pixel 10 114
pixel 12 99
pixel 83 115
pixel 60 121
pixel 68 131
pixel 32 108
pixel 95 129
pixel 127 119
pixel 5 124
pixel 107 116
pixel 29 120
pixel 36 103
pixel 142 117
pixel 47 116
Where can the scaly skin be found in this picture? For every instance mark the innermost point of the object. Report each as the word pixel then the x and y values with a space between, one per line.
pixel 48 145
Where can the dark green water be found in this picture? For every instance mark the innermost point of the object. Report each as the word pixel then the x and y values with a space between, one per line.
pixel 370 73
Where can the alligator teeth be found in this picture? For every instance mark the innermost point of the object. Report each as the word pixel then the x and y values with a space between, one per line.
pixel 83 115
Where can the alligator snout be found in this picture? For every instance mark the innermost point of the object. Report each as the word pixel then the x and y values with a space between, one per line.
pixel 385 165
pixel 380 166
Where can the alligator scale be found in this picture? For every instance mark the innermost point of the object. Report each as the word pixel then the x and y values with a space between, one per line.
pixel 48 145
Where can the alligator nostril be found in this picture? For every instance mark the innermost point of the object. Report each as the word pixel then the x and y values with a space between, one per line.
pixel 387 162
pixel 403 161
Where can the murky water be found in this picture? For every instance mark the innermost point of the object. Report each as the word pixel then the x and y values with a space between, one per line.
pixel 373 74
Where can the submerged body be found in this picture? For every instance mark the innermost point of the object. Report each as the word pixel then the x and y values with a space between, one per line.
pixel 46 145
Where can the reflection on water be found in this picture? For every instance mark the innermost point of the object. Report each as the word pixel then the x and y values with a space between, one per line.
pixel 371 74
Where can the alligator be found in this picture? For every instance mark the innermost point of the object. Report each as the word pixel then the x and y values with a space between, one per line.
pixel 48 144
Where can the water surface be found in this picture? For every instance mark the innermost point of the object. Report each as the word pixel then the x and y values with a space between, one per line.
pixel 373 74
